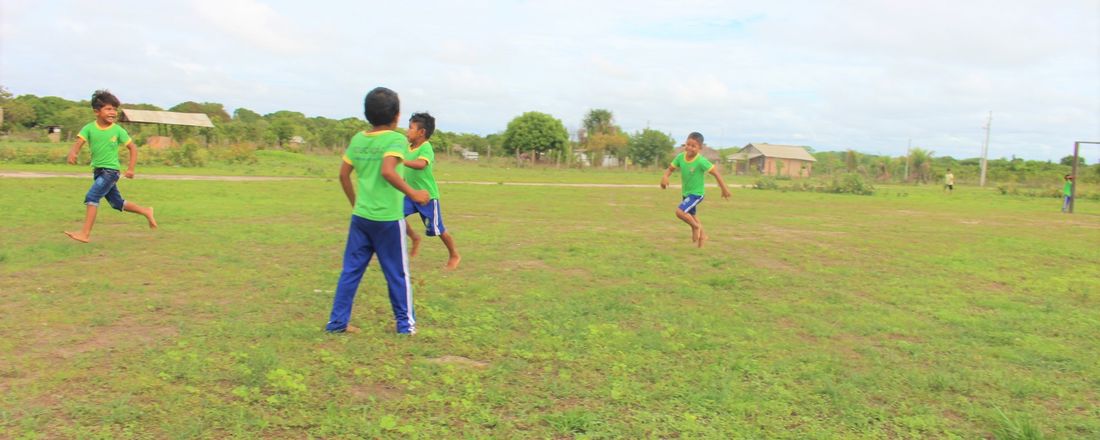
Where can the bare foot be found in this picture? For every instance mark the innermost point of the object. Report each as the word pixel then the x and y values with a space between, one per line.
pixel 695 233
pixel 78 237
pixel 702 238
pixel 415 247
pixel 452 263
pixel 152 220
pixel 351 329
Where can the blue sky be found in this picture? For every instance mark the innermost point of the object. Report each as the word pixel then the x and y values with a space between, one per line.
pixel 867 75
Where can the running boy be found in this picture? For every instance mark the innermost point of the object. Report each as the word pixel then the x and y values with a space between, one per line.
pixel 104 137
pixel 377 222
pixel 692 166
pixel 420 160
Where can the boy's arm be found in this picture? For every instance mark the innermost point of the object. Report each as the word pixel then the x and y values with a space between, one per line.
pixel 418 164
pixel 345 182
pixel 75 150
pixel 721 183
pixel 668 172
pixel 389 172
pixel 133 159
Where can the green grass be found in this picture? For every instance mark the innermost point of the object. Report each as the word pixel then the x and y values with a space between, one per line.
pixel 577 313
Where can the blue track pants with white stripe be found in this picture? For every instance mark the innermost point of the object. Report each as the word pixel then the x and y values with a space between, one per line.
pixel 367 238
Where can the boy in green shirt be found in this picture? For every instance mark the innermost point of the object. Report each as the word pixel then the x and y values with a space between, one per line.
pixel 692 166
pixel 104 138
pixel 420 161
pixel 1067 191
pixel 377 221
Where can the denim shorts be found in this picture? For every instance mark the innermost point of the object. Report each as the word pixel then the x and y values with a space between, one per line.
pixel 105 185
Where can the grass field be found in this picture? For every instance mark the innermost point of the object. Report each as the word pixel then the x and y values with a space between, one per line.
pixel 576 313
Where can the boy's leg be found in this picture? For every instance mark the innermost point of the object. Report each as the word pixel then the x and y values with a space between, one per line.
pixel 357 255
pixel 410 209
pixel 687 218
pixel 432 215
pixel 389 243
pixel 415 238
pixel 686 213
pixel 702 235
pixel 455 258
pixel 138 209
pixel 103 181
pixel 85 233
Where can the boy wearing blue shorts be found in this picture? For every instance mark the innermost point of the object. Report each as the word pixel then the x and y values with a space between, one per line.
pixel 692 166
pixel 420 161
pixel 104 137
pixel 377 221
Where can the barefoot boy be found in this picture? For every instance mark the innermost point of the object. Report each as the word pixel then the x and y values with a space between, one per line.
pixel 420 160
pixel 692 166
pixel 104 137
pixel 377 221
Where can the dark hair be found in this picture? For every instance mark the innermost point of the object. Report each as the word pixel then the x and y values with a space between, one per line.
pixel 381 106
pixel 949 169
pixel 697 136
pixel 104 97
pixel 1067 176
pixel 425 121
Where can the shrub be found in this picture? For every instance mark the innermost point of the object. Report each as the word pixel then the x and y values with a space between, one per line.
pixel 766 182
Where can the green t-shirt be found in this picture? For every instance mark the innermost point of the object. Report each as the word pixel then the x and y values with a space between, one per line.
pixel 375 198
pixel 104 142
pixel 1067 189
pixel 422 179
pixel 691 173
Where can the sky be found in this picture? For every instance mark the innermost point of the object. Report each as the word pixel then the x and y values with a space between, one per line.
pixel 873 76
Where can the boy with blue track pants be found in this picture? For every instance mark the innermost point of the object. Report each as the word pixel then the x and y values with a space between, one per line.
pixel 377 221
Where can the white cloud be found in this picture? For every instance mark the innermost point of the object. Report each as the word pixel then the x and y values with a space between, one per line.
pixel 847 74
pixel 255 22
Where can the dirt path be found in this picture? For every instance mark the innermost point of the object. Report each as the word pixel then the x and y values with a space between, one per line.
pixel 44 175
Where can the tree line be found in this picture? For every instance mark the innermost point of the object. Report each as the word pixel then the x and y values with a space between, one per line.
pixel 533 136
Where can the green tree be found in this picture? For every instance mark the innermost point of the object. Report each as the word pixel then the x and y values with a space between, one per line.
pixel 920 165
pixel 246 115
pixel 599 121
pixel 214 110
pixel 649 147
pixel 1068 161
pixel 19 113
pixel 534 131
pixel 851 160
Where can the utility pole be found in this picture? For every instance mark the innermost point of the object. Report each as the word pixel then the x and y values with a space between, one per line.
pixel 1076 158
pixel 985 146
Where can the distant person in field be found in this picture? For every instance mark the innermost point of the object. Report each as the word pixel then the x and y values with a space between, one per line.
pixel 421 161
pixel 692 166
pixel 104 138
pixel 1067 191
pixel 949 181
pixel 377 220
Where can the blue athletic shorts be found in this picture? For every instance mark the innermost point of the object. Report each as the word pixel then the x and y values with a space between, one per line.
pixel 429 214
pixel 690 202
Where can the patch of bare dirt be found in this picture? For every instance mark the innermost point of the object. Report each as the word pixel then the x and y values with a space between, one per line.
pixel 458 360
pixel 365 392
